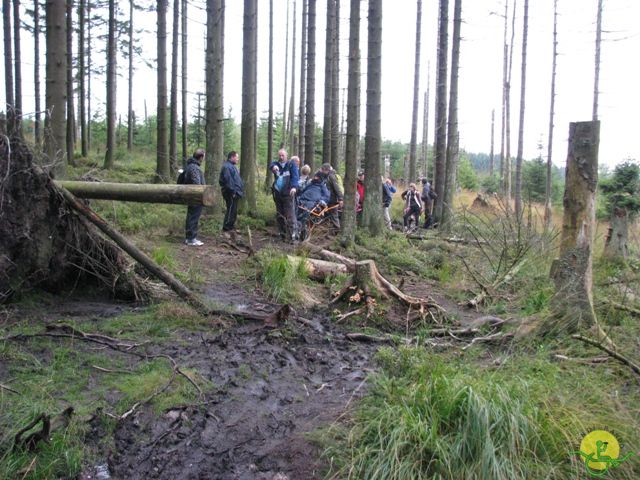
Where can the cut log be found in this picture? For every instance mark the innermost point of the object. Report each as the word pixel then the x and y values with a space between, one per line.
pixel 142 192
pixel 319 269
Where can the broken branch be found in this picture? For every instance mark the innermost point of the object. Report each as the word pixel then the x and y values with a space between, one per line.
pixel 616 355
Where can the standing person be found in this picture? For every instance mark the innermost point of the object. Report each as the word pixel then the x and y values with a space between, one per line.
pixel 387 197
pixel 232 190
pixel 412 205
pixel 360 192
pixel 427 196
pixel 284 191
pixel 193 176
pixel 336 192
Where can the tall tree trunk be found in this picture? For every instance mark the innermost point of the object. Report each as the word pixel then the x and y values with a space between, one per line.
pixel 71 123
pixel 425 126
pixel 173 116
pixel 36 72
pixel 130 125
pixel 292 115
pixel 416 97
pixel 348 223
pixel 328 85
pixel 335 92
pixel 303 81
pixel 249 79
pixel 596 80
pixel 185 119
pixel 270 115
pixel 372 207
pixel 109 157
pixel 8 68
pixel 572 272
pixel 491 152
pixel 89 65
pixel 162 168
pixel 82 117
pixel 452 129
pixel 503 119
pixel 56 88
pixel 283 136
pixel 616 244
pixel 507 130
pixel 547 193
pixel 310 118
pixel 523 79
pixel 17 65
pixel 440 143
pixel 214 94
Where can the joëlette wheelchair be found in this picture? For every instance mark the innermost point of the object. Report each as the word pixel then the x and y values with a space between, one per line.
pixel 315 218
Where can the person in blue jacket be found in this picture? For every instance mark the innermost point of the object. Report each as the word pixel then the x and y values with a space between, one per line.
pixel 284 191
pixel 387 197
pixel 193 176
pixel 315 192
pixel 232 190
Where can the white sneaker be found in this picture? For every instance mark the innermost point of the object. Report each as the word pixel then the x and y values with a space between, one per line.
pixel 193 243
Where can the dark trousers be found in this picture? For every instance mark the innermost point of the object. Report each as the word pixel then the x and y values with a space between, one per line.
pixel 286 212
pixel 231 200
pixel 193 217
pixel 428 218
pixel 414 212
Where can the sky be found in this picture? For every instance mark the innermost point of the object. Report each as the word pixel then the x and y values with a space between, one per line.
pixel 480 82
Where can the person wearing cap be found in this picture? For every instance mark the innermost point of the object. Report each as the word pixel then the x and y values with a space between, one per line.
pixel 336 193
pixel 284 190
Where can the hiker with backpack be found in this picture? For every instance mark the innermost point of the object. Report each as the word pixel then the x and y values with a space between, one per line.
pixel 412 206
pixel 387 197
pixel 333 182
pixel 232 190
pixel 427 197
pixel 192 175
pixel 284 190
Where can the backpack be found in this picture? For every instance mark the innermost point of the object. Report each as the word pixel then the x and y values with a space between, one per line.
pixel 340 182
pixel 181 178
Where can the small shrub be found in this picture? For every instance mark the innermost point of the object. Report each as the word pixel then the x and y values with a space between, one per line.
pixel 280 276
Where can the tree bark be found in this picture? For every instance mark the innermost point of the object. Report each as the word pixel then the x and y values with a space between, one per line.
pixel 503 117
pixel 71 123
pixel 372 207
pixel 249 79
pixel 56 88
pixel 328 83
pixel 130 125
pixel 451 166
pixel 303 82
pixel 89 65
pixel 283 136
pixel 416 92
pixel 348 223
pixel 185 119
pixel 596 80
pixel 571 272
pixel 547 193
pixel 82 117
pixel 292 115
pixel 162 168
pixel 310 118
pixel 440 143
pixel 142 192
pixel 173 102
pixel 507 128
pixel 270 115
pixel 491 152
pixel 110 153
pixel 523 81
pixel 8 67
pixel 335 90
pixel 18 66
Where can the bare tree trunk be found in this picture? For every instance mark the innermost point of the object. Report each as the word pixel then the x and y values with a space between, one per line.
pixel 109 157
pixel 440 143
pixel 283 136
pixel 185 119
pixel 130 83
pixel 491 152
pixel 173 102
pixel 71 124
pixel 270 118
pixel 547 195
pixel 84 145
pixel 303 82
pixel 452 129
pixel 291 119
pixel 596 81
pixel 56 88
pixel 8 68
pixel 523 81
pixel 249 79
pixel 348 222
pixel 310 118
pixel 372 207
pixel 18 66
pixel 425 126
pixel 572 272
pixel 89 65
pixel 416 101
pixel 162 169
pixel 335 93
pixel 616 242
pixel 36 72
pixel 328 85
pixel 507 130
pixel 503 119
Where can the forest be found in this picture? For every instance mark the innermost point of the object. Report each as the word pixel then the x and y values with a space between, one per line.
pixel 444 311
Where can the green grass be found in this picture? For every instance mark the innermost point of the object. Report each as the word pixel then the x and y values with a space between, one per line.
pixel 425 418
pixel 279 276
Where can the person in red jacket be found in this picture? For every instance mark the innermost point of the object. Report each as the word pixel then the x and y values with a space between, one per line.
pixel 359 193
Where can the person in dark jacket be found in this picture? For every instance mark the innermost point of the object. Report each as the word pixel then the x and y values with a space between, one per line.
pixel 315 192
pixel 193 176
pixel 387 197
pixel 427 196
pixel 330 178
pixel 284 191
pixel 232 190
pixel 412 205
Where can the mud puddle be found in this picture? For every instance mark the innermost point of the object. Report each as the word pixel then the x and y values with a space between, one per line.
pixel 272 387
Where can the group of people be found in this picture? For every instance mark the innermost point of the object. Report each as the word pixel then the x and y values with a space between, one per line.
pixel 296 192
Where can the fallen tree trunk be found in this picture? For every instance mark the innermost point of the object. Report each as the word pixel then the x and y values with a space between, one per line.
pixel 319 269
pixel 141 192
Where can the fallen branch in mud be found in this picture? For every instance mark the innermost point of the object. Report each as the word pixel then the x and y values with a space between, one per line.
pixel 489 338
pixel 586 361
pixel 252 251
pixel 620 306
pixel 363 337
pixel 8 389
pixel 49 426
pixel 616 355
pixel 482 296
